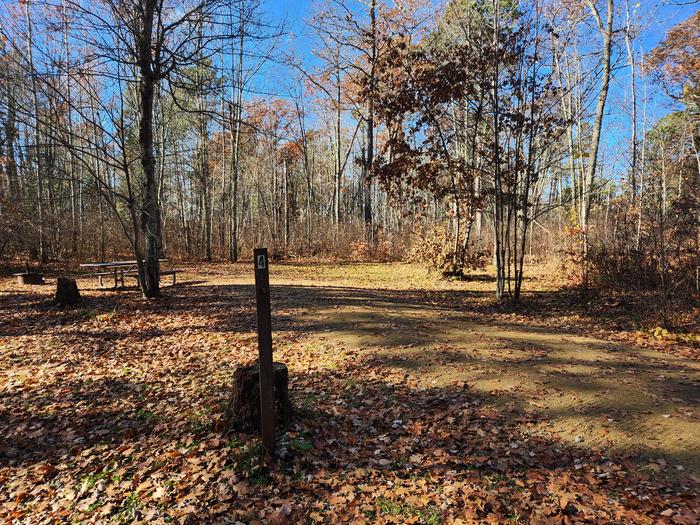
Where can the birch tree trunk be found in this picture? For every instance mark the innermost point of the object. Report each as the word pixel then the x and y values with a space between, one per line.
pixel 589 176
pixel 236 115
pixel 633 118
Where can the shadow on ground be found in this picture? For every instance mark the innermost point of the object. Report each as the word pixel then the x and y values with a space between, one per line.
pixel 413 405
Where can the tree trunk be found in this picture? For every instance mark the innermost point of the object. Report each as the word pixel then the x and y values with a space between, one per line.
pixel 244 407
pixel 498 224
pixel 67 293
pixel 150 211
pixel 236 115
pixel 606 31
pixel 285 203
pixel 37 140
pixel 369 160
pixel 204 177
pixel 338 162
pixel 71 149
pixel 633 118
pixel 10 138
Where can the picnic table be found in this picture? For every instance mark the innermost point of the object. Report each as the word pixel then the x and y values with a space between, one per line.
pixel 120 269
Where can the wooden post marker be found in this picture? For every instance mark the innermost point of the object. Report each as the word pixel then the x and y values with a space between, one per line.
pixel 262 295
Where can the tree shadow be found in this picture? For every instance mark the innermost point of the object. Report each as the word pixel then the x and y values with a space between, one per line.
pixel 406 327
pixel 32 314
pixel 473 277
pixel 628 310
pixel 392 444
pixel 68 417
pixel 367 422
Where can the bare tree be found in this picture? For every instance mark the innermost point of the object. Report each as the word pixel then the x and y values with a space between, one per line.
pixel 145 44
pixel 606 31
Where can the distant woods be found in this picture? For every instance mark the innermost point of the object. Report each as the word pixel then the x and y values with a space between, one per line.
pixel 490 131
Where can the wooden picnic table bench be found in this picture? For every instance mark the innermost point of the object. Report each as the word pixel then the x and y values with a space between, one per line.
pixel 120 269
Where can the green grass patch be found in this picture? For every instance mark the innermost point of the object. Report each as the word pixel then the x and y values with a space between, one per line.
pixel 426 516
pixel 126 513
pixel 198 422
pixel 146 415
pixel 309 400
pixel 301 445
pixel 250 461
pixel 91 480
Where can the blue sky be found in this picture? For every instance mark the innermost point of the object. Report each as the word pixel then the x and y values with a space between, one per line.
pixel 662 14
pixel 656 16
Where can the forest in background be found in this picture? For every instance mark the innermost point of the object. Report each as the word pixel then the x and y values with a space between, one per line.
pixel 460 134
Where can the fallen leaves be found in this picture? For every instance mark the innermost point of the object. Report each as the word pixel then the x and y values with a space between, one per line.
pixel 112 414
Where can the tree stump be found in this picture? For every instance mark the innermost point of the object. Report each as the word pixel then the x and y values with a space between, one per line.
pixel 244 408
pixel 67 293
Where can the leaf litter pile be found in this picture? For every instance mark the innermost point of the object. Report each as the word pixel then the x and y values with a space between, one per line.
pixel 114 413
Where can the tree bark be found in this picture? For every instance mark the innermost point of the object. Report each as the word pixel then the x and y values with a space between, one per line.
pixel 338 162
pixel 244 407
pixel 370 124
pixel 285 203
pixel 498 224
pixel 236 115
pixel 606 30
pixel 37 139
pixel 150 210
pixel 67 293
pixel 633 118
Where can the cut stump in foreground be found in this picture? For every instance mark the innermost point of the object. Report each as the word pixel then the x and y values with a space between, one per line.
pixel 67 293
pixel 244 408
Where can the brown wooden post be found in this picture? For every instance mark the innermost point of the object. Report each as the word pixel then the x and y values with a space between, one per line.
pixel 262 294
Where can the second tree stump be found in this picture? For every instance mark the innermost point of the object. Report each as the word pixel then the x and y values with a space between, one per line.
pixel 244 408
pixel 67 293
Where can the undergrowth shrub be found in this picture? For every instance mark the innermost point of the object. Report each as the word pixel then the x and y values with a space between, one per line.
pixel 434 246
pixel 655 257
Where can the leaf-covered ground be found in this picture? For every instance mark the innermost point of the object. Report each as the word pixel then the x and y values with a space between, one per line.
pixel 417 401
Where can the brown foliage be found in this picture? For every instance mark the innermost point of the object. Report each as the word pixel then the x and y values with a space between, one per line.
pixel 676 60
pixel 434 246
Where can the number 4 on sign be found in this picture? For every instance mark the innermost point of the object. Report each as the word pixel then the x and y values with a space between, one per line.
pixel 261 262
